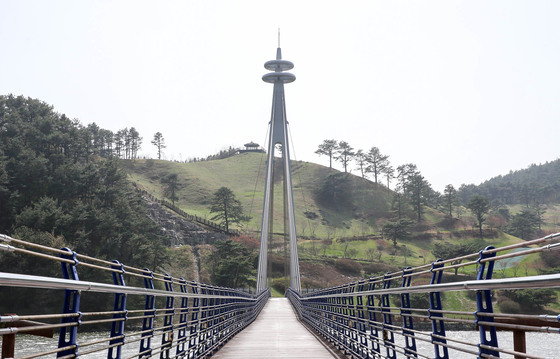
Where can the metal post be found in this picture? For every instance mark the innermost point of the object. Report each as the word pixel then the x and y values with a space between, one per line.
pixel 194 337
pixel 488 334
pixel 361 320
pixel 183 316
pixel 117 327
pixel 167 335
pixel 149 314
pixel 408 324
pixel 373 328
pixel 438 324
pixel 69 335
pixel 388 335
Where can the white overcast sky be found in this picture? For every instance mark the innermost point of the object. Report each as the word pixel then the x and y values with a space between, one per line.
pixel 466 90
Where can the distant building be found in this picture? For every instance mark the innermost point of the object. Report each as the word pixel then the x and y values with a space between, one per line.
pixel 251 147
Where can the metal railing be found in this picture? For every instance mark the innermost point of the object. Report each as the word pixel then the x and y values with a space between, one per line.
pixel 189 319
pixel 380 318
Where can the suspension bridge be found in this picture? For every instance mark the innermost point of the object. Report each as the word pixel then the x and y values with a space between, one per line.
pixel 158 315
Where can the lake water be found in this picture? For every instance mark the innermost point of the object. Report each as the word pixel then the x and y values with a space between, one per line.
pixel 546 345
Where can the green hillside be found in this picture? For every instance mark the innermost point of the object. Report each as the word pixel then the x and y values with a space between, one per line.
pixel 337 214
pixel 325 199
pixel 340 219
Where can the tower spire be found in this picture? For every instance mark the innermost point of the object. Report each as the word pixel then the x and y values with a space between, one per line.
pixel 278 134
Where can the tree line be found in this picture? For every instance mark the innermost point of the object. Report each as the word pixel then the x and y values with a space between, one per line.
pixel 61 179
pixel 410 185
pixel 61 186
pixel 534 184
pixel 91 140
pixel 412 192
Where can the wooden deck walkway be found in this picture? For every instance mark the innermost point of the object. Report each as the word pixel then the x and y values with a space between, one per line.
pixel 276 333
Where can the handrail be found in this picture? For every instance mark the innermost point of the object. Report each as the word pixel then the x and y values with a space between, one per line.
pixel 31 281
pixel 540 281
pixel 361 318
pixel 192 319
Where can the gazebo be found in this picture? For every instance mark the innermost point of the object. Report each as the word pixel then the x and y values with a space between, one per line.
pixel 251 147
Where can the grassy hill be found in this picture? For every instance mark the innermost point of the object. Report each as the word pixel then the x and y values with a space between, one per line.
pixel 337 214
pixel 339 219
pixel 357 205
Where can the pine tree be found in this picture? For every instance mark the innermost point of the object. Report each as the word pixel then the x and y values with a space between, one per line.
pixel 159 142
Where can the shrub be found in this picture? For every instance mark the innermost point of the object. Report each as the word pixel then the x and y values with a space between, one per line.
pixel 280 284
pixel 348 267
pixel 310 283
pixel 509 306
pixel 374 269
pixel 532 300
pixel 551 258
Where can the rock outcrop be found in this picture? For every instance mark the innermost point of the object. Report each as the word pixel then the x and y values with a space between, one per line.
pixel 179 230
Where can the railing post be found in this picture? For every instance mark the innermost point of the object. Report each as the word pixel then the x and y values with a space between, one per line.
pixel 220 328
pixel 488 336
pixel 350 335
pixel 211 318
pixel 183 316
pixel 361 321
pixel 149 314
pixel 339 318
pixel 68 335
pixel 203 324
pixel 117 327
pixel 435 315
pixel 408 323
pixel 167 334
pixel 388 335
pixel 373 326
pixel 194 336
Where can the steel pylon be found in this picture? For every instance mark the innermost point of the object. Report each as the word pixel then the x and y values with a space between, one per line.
pixel 278 135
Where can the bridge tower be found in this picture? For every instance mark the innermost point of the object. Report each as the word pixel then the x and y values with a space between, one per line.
pixel 278 136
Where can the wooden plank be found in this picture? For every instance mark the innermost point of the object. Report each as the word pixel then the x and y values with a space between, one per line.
pixel 276 333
